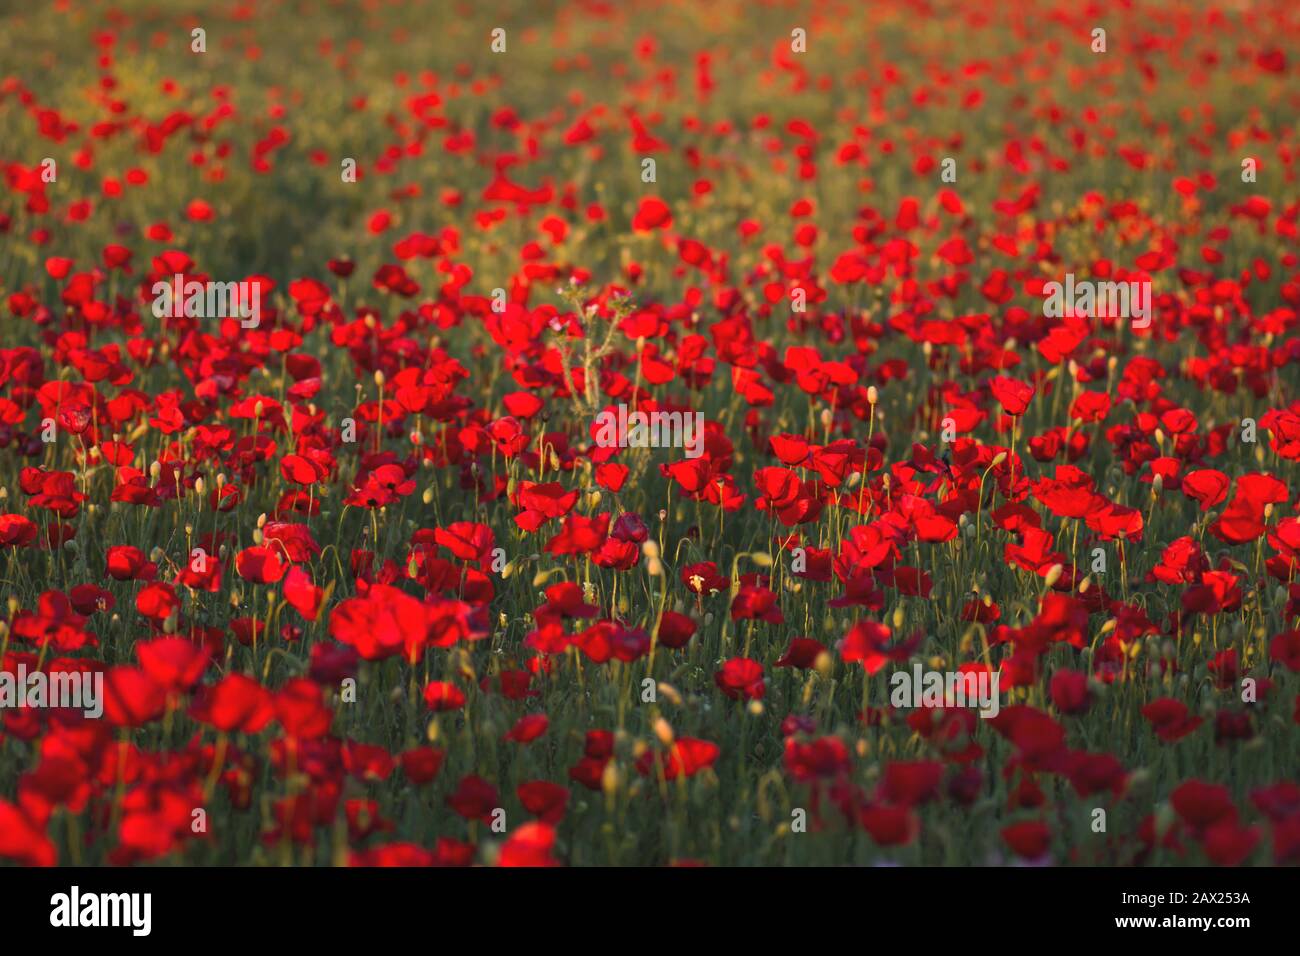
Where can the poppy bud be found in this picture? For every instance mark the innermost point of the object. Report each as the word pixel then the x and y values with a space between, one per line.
pixel 1164 819
pixel 670 693
pixel 999 458
pixel 198 485
pixel 379 378
pixel 664 731
pixel 1054 574
pixel 873 395
pixel 824 664
pixel 609 779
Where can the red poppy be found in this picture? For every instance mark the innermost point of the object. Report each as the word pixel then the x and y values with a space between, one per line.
pixel 235 704
pixel 653 213
pixel 741 677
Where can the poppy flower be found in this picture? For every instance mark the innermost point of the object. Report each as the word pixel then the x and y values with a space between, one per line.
pixel 474 799
pixel 820 758
pixel 530 845
pixel 1014 396
pixel 23 840
pixel 528 728
pixel 545 800
pixel 421 764
pixel 1285 649
pixel 1202 804
pixel 174 663
pixel 675 630
pixel 127 562
pixel 260 564
pixel 686 757
pixel 131 697
pixel 741 677
pixel 1028 840
pixel 653 213
pixel 802 653
pixel 303 596
pixel 235 704
pixel 872 645
pixel 440 695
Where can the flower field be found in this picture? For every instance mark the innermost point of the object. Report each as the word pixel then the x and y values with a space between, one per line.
pixel 649 433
